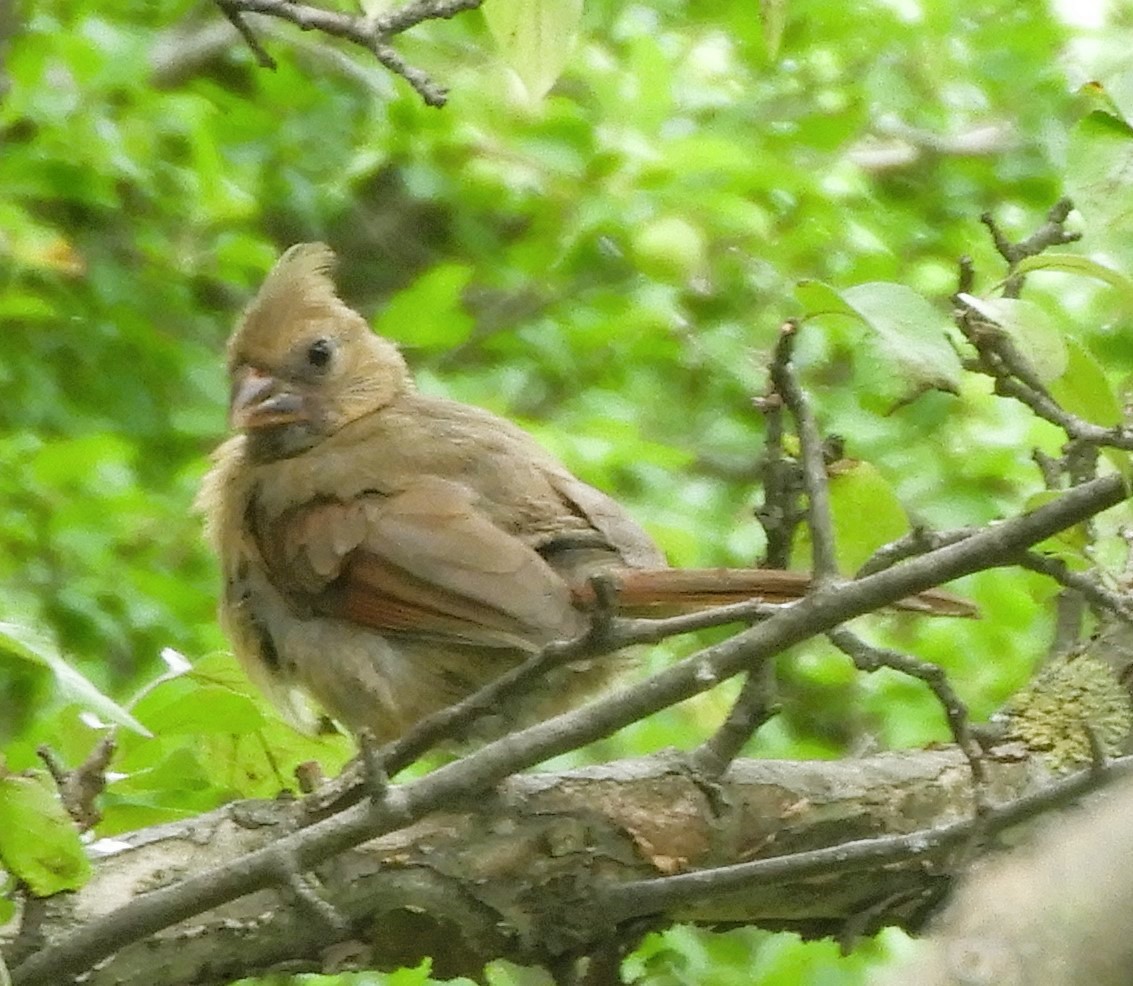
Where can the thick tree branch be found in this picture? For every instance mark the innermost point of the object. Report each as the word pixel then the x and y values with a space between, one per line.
pixel 550 865
pixel 659 894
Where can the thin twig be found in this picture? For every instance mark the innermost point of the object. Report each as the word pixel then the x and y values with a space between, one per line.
pixel 753 707
pixel 867 657
pixel 825 564
pixel 1101 597
pixel 80 788
pixel 1051 233
pixel 780 513
pixel 322 911
pixel 411 14
pixel 606 635
pixel 373 765
pixel 919 541
pixel 236 19
pixel 371 33
pixel 1000 359
pixel 1078 462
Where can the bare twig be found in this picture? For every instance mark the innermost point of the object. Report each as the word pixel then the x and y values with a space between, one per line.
pixel 1052 233
pixel 333 924
pixel 370 33
pixel 79 788
pixel 867 657
pixel 236 19
pixel 1098 595
pixel 918 541
pixel 1070 606
pixel 1014 377
pixel 373 765
pixel 605 635
pixel 754 706
pixel 996 353
pixel 825 565
pixel 779 514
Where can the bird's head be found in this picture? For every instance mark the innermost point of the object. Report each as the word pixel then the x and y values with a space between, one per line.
pixel 302 364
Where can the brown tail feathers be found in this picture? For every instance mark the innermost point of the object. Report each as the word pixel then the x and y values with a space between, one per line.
pixel 656 591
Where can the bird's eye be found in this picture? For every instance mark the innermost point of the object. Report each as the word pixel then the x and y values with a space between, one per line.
pixel 319 353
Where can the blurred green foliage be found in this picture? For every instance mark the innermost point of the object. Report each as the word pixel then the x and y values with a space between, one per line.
pixel 609 266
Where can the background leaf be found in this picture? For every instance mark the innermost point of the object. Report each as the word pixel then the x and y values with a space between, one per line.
pixel 25 644
pixel 911 333
pixel 535 37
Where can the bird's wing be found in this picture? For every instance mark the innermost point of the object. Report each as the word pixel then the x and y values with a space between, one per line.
pixel 609 519
pixel 424 562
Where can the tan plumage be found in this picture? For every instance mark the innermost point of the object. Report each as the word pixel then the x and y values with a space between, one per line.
pixel 390 552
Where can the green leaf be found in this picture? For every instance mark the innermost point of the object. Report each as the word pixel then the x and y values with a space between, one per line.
pixel 1099 162
pixel 411 975
pixel 866 514
pixel 1030 328
pixel 38 840
pixel 820 299
pixel 1097 98
pixel 535 37
pixel 909 333
pixel 1071 263
pixel 1083 388
pixel 25 644
pixel 429 314
pixel 184 705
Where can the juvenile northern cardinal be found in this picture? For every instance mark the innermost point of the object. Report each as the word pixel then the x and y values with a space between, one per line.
pixel 389 552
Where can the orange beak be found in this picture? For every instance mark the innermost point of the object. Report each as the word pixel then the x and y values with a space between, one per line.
pixel 259 400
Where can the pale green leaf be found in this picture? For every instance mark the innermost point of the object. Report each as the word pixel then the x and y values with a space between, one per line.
pixel 185 705
pixel 1099 163
pixel 866 510
pixel 1072 263
pixel 535 37
pixel 866 513
pixel 821 299
pixel 1083 388
pixel 1085 391
pixel 911 332
pixel 773 18
pixel 1030 328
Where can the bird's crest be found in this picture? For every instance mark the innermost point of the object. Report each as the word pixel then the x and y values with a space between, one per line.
pixel 298 290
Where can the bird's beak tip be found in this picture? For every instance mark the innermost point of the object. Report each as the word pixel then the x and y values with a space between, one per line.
pixel 260 400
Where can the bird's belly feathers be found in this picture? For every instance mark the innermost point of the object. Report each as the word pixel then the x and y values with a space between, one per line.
pixel 383 682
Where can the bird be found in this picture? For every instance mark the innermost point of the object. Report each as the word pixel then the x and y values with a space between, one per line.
pixel 386 552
